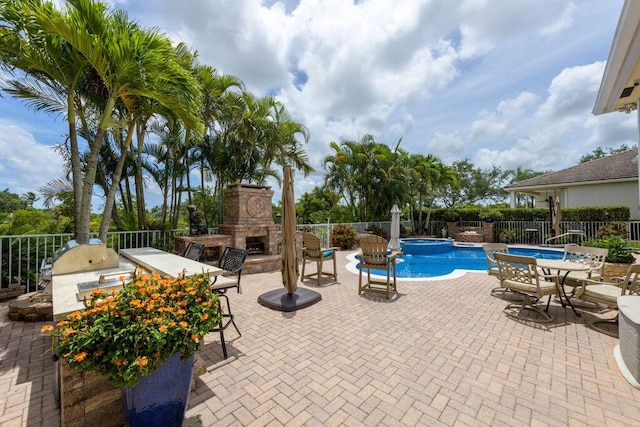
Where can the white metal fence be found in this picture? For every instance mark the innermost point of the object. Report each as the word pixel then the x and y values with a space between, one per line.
pixel 21 256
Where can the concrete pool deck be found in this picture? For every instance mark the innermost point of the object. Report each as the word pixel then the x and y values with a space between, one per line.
pixel 441 353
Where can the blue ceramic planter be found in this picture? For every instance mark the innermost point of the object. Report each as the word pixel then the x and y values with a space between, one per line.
pixel 159 399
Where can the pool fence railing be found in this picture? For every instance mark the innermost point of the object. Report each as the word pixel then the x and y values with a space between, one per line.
pixel 21 257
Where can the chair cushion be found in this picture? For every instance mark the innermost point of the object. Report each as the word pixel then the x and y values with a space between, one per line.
pixel 604 292
pixel 546 288
pixel 223 283
pixel 327 253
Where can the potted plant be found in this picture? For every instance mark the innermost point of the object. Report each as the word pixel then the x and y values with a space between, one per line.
pixel 344 236
pixel 507 236
pixel 619 257
pixel 132 338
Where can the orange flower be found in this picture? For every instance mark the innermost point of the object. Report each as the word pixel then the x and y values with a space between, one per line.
pixel 181 311
pixel 183 324
pixel 205 316
pixel 194 337
pixel 46 328
pixel 163 328
pixel 142 361
pixel 80 356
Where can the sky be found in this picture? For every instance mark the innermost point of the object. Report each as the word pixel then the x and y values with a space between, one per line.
pixel 498 82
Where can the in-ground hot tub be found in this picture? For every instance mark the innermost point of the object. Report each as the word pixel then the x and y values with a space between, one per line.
pixel 426 246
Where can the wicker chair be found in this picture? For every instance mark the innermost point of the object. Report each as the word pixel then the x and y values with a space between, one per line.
pixel 520 274
pixel 312 251
pixel 607 293
pixel 374 255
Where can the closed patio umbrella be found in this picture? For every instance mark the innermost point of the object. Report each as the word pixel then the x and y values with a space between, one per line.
pixel 557 215
pixel 394 241
pixel 289 298
pixel 290 271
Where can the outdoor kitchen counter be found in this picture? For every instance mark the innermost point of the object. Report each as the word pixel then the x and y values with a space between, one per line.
pixel 167 264
pixel 65 287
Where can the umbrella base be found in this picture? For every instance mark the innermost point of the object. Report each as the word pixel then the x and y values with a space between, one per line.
pixel 278 299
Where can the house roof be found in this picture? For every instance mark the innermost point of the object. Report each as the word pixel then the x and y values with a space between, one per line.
pixel 620 87
pixel 617 167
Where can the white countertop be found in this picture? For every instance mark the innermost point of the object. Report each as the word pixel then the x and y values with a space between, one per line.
pixel 167 264
pixel 65 286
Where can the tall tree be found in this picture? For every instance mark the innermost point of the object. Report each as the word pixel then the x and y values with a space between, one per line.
pixel 100 62
pixel 600 152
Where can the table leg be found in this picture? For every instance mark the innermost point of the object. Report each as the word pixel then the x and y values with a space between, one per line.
pixel 566 297
pixel 563 292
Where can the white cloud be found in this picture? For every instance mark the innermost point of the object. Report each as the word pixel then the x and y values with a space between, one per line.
pixel 26 164
pixel 495 81
pixel 573 92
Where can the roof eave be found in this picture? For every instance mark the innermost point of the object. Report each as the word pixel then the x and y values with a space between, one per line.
pixel 621 69
pixel 571 184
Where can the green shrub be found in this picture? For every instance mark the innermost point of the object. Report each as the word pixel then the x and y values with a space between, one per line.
pixel 344 236
pixel 619 250
pixel 616 228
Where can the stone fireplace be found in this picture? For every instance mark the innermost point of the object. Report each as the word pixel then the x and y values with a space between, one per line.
pixel 248 225
pixel 249 219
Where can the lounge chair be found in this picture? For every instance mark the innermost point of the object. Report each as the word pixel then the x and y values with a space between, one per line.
pixel 520 274
pixel 312 251
pixel 374 255
pixel 607 293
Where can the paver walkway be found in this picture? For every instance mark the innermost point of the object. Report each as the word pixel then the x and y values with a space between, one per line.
pixel 441 353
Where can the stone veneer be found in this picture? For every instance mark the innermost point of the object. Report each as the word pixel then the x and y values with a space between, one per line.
pixel 484 234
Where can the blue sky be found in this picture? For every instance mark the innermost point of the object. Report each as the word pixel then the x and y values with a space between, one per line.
pixel 498 82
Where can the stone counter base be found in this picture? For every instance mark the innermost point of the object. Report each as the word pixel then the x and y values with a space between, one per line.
pixel 30 307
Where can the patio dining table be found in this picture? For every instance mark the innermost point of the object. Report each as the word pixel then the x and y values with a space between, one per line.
pixel 563 269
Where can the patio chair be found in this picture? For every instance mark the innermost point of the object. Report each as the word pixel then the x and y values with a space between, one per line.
pixel 312 251
pixel 520 274
pixel 607 293
pixel 193 251
pixel 593 257
pixel 492 265
pixel 232 261
pixel 374 255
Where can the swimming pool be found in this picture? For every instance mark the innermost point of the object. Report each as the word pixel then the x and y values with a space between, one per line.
pixel 450 264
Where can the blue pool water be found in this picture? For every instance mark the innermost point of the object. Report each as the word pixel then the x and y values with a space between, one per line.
pixel 458 258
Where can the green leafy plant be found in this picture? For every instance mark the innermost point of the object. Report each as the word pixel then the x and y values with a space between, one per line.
pixel 619 251
pixel 344 236
pixel 507 235
pixel 616 228
pixel 129 334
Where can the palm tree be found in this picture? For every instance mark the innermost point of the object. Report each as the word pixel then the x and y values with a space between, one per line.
pixel 118 64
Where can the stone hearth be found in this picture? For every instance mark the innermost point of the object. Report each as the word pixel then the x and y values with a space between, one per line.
pixel 248 222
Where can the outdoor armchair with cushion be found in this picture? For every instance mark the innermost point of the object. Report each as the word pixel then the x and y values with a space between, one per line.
pixel 492 265
pixel 374 255
pixel 520 274
pixel 592 257
pixel 607 293
pixel 312 251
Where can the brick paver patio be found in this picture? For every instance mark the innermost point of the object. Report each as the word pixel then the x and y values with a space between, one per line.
pixel 441 353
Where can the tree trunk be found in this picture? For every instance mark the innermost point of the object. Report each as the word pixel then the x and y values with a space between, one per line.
pixel 113 189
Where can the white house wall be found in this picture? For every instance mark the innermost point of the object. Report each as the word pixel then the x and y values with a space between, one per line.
pixel 609 194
